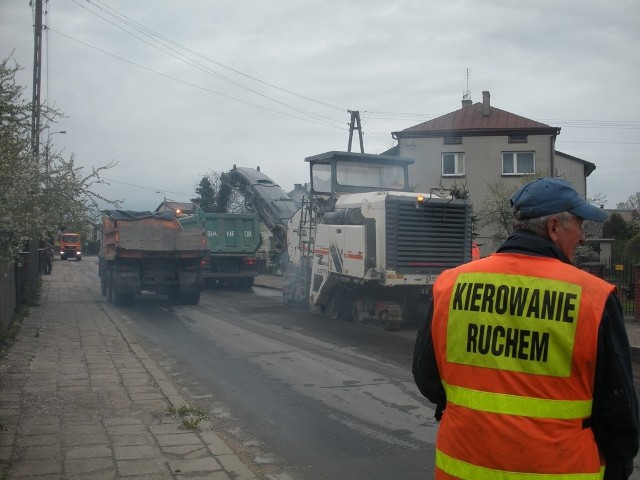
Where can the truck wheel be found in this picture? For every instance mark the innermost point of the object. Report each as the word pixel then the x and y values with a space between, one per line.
pixel 191 298
pixel 246 282
pixel 103 286
pixel 123 299
pixel 78 258
pixel 355 314
pixel 109 287
pixel 174 294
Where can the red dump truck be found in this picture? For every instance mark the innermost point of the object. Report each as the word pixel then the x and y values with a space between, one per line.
pixel 145 251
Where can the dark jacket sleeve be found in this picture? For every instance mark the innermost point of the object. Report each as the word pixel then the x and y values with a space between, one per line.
pixel 615 404
pixel 425 369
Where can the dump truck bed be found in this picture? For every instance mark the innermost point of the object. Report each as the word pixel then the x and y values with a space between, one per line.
pixel 141 234
pixel 227 233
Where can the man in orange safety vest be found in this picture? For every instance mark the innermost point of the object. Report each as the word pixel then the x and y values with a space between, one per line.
pixel 526 356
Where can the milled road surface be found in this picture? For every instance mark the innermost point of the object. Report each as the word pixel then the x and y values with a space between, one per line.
pixel 307 397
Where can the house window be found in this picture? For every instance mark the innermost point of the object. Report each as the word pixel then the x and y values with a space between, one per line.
pixel 518 163
pixel 518 139
pixel 452 164
pixel 457 140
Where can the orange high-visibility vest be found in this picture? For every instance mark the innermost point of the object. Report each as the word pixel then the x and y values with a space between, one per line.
pixel 515 338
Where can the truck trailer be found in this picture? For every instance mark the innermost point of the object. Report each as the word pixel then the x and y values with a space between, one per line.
pixel 149 251
pixel 232 240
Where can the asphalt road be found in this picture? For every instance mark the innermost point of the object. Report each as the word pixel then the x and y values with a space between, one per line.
pixel 300 396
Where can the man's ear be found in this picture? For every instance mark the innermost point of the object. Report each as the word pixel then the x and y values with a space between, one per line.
pixel 553 225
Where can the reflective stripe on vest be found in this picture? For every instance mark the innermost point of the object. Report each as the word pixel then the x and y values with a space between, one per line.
pixel 517 405
pixel 468 471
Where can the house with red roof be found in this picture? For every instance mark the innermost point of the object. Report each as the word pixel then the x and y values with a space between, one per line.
pixel 478 144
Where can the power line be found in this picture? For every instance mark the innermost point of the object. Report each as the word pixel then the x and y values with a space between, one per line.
pixel 162 43
pixel 192 84
pixel 326 104
pixel 588 141
pixel 175 53
pixel 145 188
pixel 375 114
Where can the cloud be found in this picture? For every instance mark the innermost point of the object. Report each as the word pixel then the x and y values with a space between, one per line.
pixel 141 82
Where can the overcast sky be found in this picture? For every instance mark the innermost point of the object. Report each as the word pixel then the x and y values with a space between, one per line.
pixel 173 90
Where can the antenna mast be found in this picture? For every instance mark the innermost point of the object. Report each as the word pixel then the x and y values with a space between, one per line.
pixel 466 95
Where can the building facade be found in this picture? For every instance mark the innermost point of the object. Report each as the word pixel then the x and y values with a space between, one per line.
pixel 478 145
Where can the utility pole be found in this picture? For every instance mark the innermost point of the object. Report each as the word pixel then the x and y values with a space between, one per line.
pixel 355 123
pixel 37 63
pixel 46 156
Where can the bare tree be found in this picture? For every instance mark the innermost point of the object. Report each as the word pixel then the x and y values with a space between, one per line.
pixel 494 213
pixel 633 204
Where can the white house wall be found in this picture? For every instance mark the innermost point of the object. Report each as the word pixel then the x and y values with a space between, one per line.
pixel 483 161
pixel 573 172
pixel 483 165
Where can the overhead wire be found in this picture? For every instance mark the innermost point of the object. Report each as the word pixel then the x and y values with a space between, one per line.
pixel 176 53
pixel 189 83
pixel 304 97
pixel 146 188
pixel 162 43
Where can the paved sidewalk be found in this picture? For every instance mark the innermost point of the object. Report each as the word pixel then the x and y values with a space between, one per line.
pixel 79 398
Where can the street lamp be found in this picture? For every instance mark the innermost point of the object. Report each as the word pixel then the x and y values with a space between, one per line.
pixel 46 156
pixel 164 198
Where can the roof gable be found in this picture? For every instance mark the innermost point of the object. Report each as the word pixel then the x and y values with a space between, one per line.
pixel 471 119
pixel 589 167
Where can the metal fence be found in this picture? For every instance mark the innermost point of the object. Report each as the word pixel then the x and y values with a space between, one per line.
pixel 15 280
pixel 620 273
pixel 7 294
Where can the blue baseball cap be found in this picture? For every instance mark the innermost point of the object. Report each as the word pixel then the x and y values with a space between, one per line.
pixel 546 196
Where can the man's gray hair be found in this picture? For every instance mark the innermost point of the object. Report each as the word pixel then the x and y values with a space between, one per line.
pixel 538 225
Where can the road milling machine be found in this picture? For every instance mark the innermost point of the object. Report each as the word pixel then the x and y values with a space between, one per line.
pixel 365 247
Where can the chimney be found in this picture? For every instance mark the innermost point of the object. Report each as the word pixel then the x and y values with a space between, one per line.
pixel 486 103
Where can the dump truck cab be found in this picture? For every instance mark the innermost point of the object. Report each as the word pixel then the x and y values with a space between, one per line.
pixel 70 246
